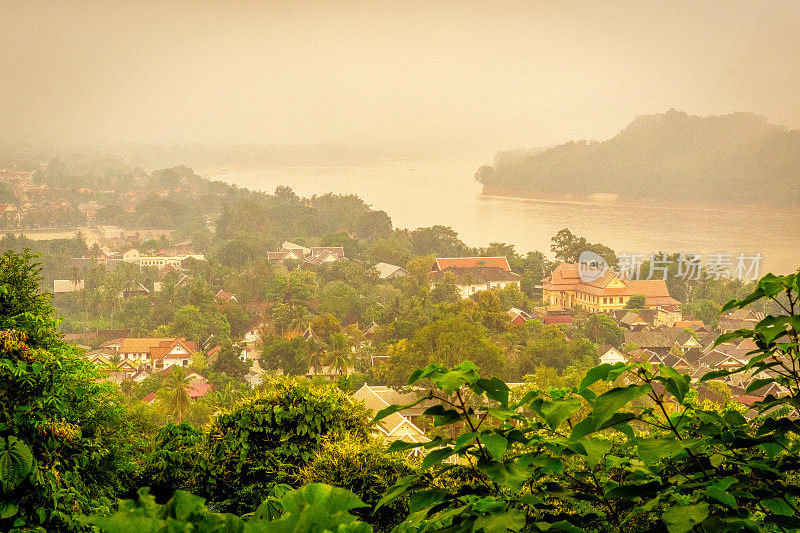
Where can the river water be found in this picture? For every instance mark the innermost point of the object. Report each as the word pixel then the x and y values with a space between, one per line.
pixel 424 193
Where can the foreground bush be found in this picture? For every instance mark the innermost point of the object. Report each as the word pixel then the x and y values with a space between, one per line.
pixel 315 508
pixel 268 438
pixel 365 469
pixel 64 437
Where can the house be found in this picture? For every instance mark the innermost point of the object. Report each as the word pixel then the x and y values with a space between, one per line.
pixel 518 316
pixel 10 213
pixel 99 358
pixel 316 255
pixel 739 319
pixel 225 296
pixel 387 271
pixel 667 315
pixel 600 292
pixel 110 232
pixel 135 290
pixel 472 279
pixel 633 321
pixel 123 371
pixel 198 390
pixel 443 263
pixel 661 341
pixel 61 286
pixel 157 353
pixel 612 356
pixel 553 315
pixel 399 425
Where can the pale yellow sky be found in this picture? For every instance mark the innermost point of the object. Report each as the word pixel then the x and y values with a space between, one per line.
pixel 506 74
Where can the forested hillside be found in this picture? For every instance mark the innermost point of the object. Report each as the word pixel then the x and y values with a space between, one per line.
pixel 669 157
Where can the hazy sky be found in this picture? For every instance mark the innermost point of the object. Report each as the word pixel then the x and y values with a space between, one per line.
pixel 507 74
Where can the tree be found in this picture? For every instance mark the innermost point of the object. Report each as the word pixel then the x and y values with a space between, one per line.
pixel 447 341
pixel 229 363
pixel 174 398
pixel 552 348
pixel 568 248
pixel 198 325
pixel 265 439
pixel 603 329
pixel 636 301
pixel 21 301
pixel 704 310
pixel 340 300
pixel 446 291
pixel 65 444
pixel 633 440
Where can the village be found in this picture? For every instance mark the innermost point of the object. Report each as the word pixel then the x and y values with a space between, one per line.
pixel 333 333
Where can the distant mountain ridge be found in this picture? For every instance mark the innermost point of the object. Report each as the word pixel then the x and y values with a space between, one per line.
pixel 738 158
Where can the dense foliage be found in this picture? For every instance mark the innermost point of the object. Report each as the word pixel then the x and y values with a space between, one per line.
pixel 65 446
pixel 266 439
pixel 643 455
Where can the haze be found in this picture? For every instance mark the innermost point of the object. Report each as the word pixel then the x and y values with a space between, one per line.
pixel 502 75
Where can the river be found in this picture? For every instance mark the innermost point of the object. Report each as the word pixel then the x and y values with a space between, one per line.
pixel 424 193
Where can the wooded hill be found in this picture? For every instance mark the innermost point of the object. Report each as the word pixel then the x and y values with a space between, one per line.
pixel 670 157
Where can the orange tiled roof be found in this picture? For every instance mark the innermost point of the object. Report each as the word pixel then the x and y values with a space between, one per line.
pixel 471 262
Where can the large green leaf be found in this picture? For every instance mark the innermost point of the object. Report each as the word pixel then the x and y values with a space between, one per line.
pixel 16 462
pixel 608 403
pixel 683 518
pixel 556 412
pixel 654 450
pixel 495 444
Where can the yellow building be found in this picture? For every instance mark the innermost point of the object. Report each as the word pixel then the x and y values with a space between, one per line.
pixel 565 288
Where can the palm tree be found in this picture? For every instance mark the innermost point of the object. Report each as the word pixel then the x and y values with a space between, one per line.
pixel 175 401
pixel 339 356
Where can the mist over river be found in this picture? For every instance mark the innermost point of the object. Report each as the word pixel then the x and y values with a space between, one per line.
pixel 425 193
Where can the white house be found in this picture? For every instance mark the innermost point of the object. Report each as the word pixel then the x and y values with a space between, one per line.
pixel 61 286
pixel 612 357
pixel 387 271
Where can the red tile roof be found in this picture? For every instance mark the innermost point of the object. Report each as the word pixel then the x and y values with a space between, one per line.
pixel 471 262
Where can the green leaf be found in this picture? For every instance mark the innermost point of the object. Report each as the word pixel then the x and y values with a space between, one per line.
pixel 16 462
pixel 676 383
pixel 778 506
pixel 594 449
pixel 436 456
pixel 383 413
pixel 511 520
pixel 716 493
pixel 556 412
pixel 682 518
pixel 654 450
pixel 7 509
pixel 495 444
pixel 602 372
pixel 494 388
pixel 608 403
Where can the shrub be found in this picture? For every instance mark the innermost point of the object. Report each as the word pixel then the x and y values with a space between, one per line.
pixel 267 438
pixel 364 468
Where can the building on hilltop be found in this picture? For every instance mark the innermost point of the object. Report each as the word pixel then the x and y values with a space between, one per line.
pixel 564 287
